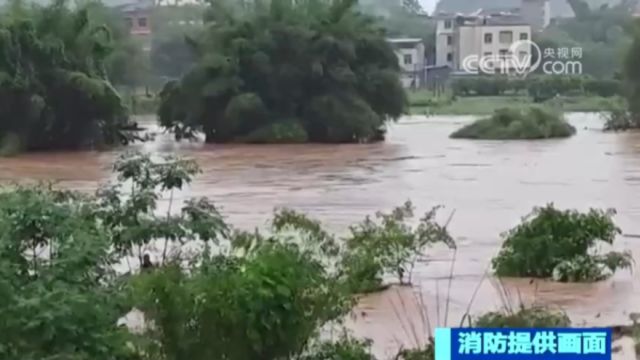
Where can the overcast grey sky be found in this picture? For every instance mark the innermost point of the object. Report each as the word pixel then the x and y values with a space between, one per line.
pixel 429 5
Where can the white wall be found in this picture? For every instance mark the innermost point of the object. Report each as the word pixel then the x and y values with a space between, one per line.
pixel 417 63
pixel 442 47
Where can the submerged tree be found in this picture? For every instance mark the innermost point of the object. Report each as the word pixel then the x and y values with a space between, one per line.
pixel 53 87
pixel 287 71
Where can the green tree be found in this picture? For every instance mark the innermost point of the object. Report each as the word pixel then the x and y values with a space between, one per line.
pixel 319 64
pixel 391 246
pixel 60 296
pixel 268 302
pixel 632 74
pixel 174 28
pixel 53 87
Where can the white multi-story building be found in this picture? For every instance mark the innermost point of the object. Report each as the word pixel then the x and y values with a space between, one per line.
pixel 460 37
pixel 410 53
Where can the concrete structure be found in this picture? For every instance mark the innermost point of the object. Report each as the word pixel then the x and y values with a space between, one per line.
pixel 410 53
pixel 536 13
pixel 459 37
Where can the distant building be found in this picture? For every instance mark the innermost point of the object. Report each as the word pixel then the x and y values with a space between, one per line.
pixel 536 13
pixel 410 53
pixel 137 15
pixel 460 37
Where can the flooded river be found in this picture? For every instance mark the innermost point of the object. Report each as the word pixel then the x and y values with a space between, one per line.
pixel 490 185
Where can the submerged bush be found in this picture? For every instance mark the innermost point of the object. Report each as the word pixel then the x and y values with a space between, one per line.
pixel 427 353
pixel 267 305
pixel 525 317
pixel 517 124
pixel 619 118
pixel 551 241
pixel 390 246
pixel 345 348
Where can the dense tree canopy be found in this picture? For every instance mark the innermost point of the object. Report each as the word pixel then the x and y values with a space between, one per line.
pixel 173 28
pixel 53 87
pixel 287 71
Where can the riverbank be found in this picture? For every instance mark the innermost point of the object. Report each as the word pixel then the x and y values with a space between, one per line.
pixel 425 103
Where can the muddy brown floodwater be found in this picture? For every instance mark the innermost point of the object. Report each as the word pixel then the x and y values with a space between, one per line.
pixel 490 185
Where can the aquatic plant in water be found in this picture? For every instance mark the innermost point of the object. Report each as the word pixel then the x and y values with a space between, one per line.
pixel 555 243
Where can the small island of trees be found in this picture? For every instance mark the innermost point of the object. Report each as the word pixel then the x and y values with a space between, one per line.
pixel 314 71
pixel 517 124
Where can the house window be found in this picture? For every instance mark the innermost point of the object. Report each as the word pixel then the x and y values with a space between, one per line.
pixel 450 57
pixel 488 38
pixel 524 36
pixel 488 54
pixel 506 37
pixel 503 53
pixel 449 39
pixel 142 22
pixel 408 59
pixel 447 24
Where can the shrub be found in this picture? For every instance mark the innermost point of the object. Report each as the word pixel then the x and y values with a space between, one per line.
pixel 244 113
pixel 525 317
pixel 267 304
pixel 345 348
pixel 60 297
pixel 363 273
pixel 392 245
pixel 283 132
pixel 550 240
pixel 429 353
pixel 542 88
pixel 517 124
pixel 619 118
pixel 604 88
pixel 482 85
